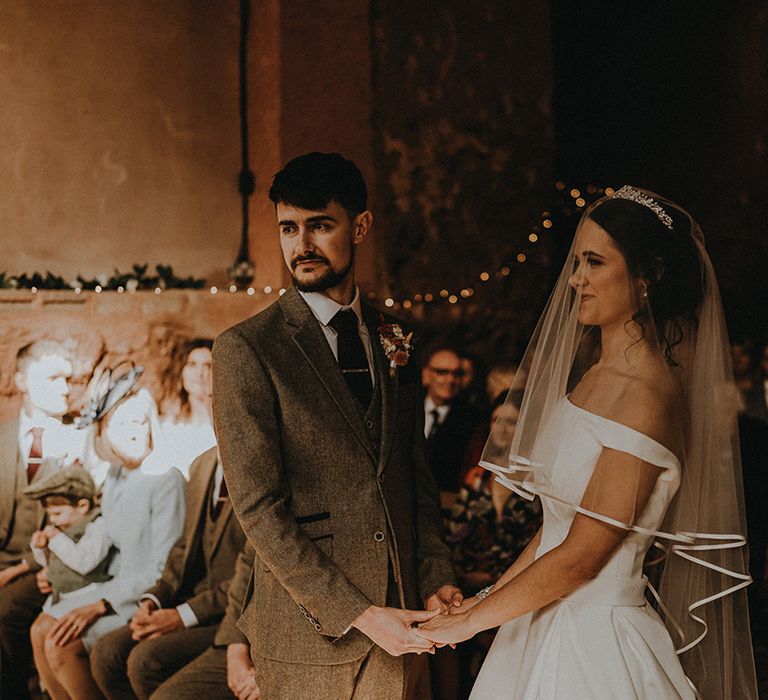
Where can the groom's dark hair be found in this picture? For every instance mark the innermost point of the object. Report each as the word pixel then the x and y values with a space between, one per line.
pixel 311 181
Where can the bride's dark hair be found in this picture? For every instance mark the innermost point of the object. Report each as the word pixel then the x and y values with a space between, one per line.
pixel 667 259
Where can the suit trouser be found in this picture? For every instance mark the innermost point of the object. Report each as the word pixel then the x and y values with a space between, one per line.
pixel 20 603
pixel 125 669
pixel 204 677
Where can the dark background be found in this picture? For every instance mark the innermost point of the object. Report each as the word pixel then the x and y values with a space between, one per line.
pixel 479 108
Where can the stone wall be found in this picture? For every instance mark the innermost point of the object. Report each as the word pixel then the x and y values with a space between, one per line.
pixel 464 138
pixel 121 128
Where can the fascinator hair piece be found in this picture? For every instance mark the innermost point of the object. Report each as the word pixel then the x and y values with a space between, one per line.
pixel 108 390
pixel 633 195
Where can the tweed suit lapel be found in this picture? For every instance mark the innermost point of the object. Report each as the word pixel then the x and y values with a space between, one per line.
pixel 199 500
pixel 387 383
pixel 221 525
pixel 309 337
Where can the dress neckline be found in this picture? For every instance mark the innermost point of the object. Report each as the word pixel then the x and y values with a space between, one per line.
pixel 597 416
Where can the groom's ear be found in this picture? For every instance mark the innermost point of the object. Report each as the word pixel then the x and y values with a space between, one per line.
pixel 362 225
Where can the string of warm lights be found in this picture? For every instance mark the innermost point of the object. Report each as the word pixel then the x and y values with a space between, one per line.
pixel 98 289
pixel 446 294
pixel 457 295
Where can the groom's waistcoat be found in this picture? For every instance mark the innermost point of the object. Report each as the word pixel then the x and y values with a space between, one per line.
pixel 326 493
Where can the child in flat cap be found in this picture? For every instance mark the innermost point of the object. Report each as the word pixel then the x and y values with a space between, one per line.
pixel 74 545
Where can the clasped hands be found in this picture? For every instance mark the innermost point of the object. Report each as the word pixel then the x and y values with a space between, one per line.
pixel 150 622
pixel 451 626
pixel 394 629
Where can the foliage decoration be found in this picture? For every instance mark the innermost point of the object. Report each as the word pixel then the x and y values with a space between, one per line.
pixel 137 278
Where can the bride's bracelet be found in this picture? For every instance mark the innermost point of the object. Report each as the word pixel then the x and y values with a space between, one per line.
pixel 483 594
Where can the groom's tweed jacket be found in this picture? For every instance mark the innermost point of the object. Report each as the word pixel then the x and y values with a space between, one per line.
pixel 325 507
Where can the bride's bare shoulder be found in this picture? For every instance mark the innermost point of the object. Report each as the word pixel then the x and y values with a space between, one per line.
pixel 647 401
pixel 651 405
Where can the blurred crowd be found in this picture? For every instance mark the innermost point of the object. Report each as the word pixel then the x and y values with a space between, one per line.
pixel 123 567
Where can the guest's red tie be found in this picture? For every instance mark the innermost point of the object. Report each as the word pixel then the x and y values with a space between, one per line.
pixel 35 453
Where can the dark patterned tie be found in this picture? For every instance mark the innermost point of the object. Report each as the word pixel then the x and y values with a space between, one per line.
pixel 220 501
pixel 35 453
pixel 352 358
pixel 435 423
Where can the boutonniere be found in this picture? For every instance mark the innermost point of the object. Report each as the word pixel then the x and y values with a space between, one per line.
pixel 397 345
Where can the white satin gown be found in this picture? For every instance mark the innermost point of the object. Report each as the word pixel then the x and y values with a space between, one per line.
pixel 602 641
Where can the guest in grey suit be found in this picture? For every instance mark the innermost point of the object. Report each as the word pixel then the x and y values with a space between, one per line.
pixel 321 436
pixel 32 447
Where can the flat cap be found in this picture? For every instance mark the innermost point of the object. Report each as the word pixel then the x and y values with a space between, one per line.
pixel 71 481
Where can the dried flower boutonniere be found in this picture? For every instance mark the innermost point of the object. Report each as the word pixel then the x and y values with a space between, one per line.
pixel 397 345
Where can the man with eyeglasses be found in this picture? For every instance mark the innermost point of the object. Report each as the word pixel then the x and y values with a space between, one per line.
pixel 449 424
pixel 449 421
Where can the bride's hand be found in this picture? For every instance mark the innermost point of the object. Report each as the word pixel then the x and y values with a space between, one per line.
pixel 466 605
pixel 447 629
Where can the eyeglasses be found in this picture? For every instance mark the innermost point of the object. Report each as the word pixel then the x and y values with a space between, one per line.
pixel 441 372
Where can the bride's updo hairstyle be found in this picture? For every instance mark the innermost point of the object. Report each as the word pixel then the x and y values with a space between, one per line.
pixel 666 258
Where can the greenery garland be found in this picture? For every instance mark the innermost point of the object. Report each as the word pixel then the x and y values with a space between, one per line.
pixel 129 281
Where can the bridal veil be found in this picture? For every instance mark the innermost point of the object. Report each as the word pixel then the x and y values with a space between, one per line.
pixel 698 561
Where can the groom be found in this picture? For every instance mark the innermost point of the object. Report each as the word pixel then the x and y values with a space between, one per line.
pixel 322 449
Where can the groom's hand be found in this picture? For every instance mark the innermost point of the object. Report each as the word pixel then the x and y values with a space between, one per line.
pixel 392 629
pixel 445 598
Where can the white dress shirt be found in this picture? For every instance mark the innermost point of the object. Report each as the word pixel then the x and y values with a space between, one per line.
pixel 429 419
pixel 60 441
pixel 324 309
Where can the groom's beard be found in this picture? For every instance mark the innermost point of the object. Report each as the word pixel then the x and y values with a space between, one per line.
pixel 327 280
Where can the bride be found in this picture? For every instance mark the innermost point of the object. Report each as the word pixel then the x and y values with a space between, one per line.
pixel 627 434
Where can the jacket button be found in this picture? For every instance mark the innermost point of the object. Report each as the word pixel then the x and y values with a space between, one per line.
pixel 369 424
pixel 318 627
pixel 378 536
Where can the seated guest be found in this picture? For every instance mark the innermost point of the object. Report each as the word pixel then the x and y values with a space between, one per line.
pixel 185 417
pixel 503 377
pixel 32 446
pixel 449 422
pixel 178 616
pixel 74 545
pixel 143 516
pixel 489 527
pixel 227 664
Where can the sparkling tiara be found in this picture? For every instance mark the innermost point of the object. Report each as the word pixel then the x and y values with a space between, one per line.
pixel 633 195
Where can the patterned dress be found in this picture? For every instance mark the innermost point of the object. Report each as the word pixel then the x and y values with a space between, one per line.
pixel 479 540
